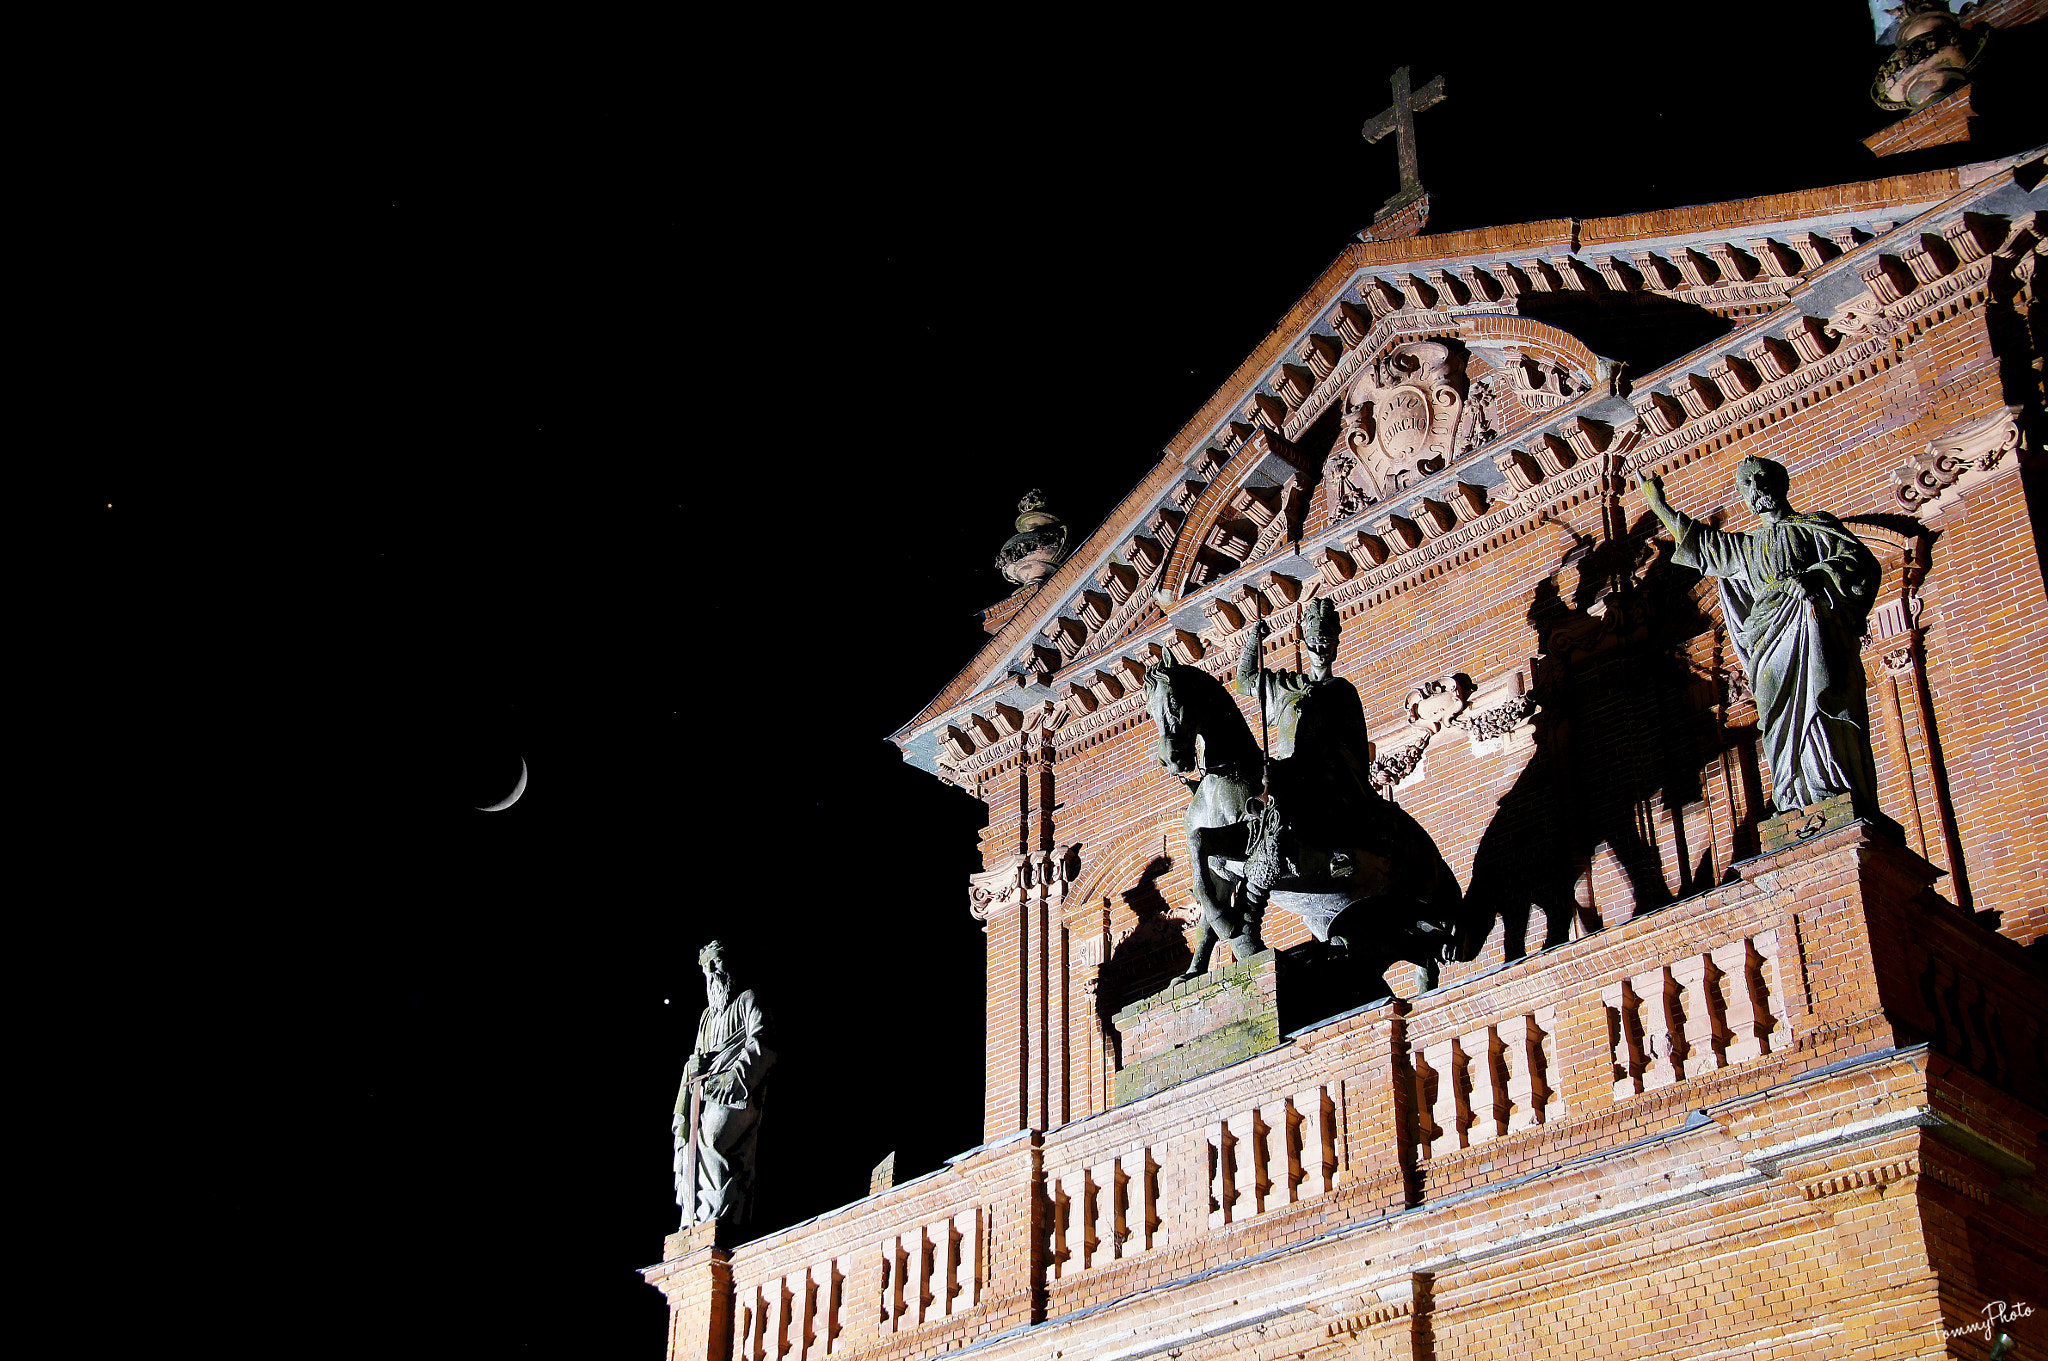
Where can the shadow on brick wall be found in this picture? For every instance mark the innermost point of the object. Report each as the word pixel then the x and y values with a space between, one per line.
pixel 1626 725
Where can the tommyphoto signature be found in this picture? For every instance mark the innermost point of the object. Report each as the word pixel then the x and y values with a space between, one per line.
pixel 1995 1313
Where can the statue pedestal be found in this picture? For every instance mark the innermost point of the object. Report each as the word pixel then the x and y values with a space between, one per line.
pixel 1202 1024
pixel 1813 821
pixel 695 1273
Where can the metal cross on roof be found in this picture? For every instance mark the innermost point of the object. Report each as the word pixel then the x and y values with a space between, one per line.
pixel 1400 120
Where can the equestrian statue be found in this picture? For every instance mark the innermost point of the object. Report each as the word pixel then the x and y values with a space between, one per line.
pixel 1293 821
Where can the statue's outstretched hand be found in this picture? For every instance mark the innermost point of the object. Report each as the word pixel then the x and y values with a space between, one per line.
pixel 1652 488
pixel 1261 630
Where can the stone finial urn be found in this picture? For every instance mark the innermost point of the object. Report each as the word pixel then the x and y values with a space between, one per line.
pixel 1933 56
pixel 1034 552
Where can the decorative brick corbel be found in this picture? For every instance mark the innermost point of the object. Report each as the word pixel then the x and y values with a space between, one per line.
pixel 1929 258
pixel 1067 634
pixel 1449 288
pixel 1554 453
pixel 1588 438
pixel 1810 337
pixel 1333 565
pixel 1257 504
pixel 1812 254
pixel 1468 500
pixel 1887 278
pixel 1734 266
pixel 1963 240
pixel 1266 409
pixel 1416 291
pixel 1482 287
pixel 1610 269
pixel 1381 297
pixel 1771 357
pixel 1360 544
pixel 1165 525
pixel 1434 516
pixel 1658 276
pixel 1350 324
pixel 1400 533
pixel 1119 580
pixel 1697 394
pixel 1079 696
pixel 1320 355
pixel 1522 471
pixel 1222 614
pixel 1279 589
pixel 1106 688
pixel 1732 375
pixel 1778 262
pixel 1694 266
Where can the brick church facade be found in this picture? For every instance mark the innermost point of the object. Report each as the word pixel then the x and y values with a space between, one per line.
pixel 1737 1085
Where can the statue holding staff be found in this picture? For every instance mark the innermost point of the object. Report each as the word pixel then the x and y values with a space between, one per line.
pixel 718 1111
pixel 1795 593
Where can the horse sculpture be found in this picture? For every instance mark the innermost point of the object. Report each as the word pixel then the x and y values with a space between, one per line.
pixel 1383 876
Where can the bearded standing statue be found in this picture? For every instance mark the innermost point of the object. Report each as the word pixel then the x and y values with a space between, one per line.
pixel 720 1102
pixel 1796 592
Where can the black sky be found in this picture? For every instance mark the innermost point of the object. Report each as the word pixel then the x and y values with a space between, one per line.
pixel 649 405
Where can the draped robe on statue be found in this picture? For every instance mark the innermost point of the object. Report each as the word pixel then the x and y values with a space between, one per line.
pixel 1803 658
pixel 736 1067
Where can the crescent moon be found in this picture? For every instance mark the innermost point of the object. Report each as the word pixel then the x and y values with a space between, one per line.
pixel 513 797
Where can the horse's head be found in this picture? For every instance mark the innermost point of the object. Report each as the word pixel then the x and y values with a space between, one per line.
pixel 1167 705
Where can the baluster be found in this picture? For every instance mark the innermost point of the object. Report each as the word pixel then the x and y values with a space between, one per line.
pixel 1093 1192
pixel 1451 1113
pixel 1521 1043
pixel 1427 1080
pixel 1489 1097
pixel 807 1325
pixel 1663 1035
pixel 1145 1171
pixel 785 1322
pixel 1222 1175
pixel 1624 1037
pixel 1249 1146
pixel 1706 1025
pixel 1771 986
pixel 1065 1261
pixel 1288 1172
pixel 835 1301
pixel 1117 1206
pixel 1318 1140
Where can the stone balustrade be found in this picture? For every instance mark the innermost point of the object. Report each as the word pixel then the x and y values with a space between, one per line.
pixel 1816 957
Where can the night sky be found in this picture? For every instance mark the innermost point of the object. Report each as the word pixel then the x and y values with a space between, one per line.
pixel 649 407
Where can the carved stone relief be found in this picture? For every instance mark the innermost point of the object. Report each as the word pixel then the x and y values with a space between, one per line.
pixel 1400 422
pixel 1010 882
pixel 1959 459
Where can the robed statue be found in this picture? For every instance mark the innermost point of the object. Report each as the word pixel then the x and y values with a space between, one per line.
pixel 1292 820
pixel 718 1112
pixel 1795 592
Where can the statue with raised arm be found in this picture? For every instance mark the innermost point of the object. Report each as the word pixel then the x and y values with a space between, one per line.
pixel 718 1112
pixel 1795 593
pixel 1320 753
pixel 1305 831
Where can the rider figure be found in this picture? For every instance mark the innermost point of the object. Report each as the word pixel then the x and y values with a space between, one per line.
pixel 1320 758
